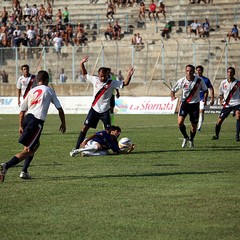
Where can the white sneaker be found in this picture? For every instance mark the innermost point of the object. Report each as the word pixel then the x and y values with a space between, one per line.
pixel 184 143
pixel 75 152
pixel 3 171
pixel 24 175
pixel 191 144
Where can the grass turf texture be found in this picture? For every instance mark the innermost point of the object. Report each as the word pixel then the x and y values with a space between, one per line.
pixel 160 191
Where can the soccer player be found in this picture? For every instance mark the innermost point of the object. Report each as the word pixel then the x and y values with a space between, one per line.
pixel 100 142
pixel 115 93
pixel 25 83
pixel 191 86
pixel 102 90
pixel 229 94
pixel 199 70
pixel 31 120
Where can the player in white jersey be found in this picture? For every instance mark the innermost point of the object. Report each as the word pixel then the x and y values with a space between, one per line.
pixel 25 83
pixel 199 71
pixel 191 86
pixel 103 88
pixel 229 94
pixel 31 120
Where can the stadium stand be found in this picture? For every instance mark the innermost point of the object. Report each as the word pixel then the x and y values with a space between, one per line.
pixel 160 61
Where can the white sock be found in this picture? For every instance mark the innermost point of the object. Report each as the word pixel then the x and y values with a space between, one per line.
pixel 97 153
pixel 200 120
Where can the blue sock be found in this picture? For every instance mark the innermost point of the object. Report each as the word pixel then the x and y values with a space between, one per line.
pixel 27 163
pixel 14 161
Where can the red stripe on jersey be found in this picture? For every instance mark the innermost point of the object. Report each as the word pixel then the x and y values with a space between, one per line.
pixel 101 92
pixel 233 90
pixel 29 86
pixel 191 94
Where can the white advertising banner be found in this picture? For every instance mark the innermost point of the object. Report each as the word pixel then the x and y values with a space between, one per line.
pixel 81 105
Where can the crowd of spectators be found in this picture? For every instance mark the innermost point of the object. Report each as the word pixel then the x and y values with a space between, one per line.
pixel 34 26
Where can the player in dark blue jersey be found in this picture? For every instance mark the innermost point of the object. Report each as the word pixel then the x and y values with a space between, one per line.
pixel 100 142
pixel 199 71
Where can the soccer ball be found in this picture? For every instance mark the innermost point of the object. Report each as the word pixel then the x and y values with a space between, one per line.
pixel 125 144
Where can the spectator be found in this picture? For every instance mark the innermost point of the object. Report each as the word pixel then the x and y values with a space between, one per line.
pixel 152 11
pixel 134 41
pixel 109 31
pixel 117 30
pixel 161 9
pixel 34 13
pixel 120 76
pixel 142 11
pixel 205 29
pixel 4 15
pixel 138 42
pixel 3 38
pixel 49 14
pixel 80 36
pixel 68 33
pixel 4 76
pixel 27 12
pixel 111 9
pixel 59 16
pixel 24 46
pixel 167 29
pixel 57 41
pixel 17 14
pixel 233 33
pixel 62 76
pixel 42 13
pixel 16 37
pixel 31 36
pixel 65 15
pixel 194 28
pixel 15 3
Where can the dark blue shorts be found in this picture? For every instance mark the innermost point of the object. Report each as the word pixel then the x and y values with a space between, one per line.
pixel 226 111
pixel 190 108
pixel 32 129
pixel 93 118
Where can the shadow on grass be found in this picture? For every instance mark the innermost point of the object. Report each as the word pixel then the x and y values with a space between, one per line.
pixel 197 149
pixel 132 175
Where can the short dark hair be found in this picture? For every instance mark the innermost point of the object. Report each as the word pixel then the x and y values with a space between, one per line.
pixel 201 67
pixel 231 69
pixel 191 66
pixel 43 76
pixel 24 66
pixel 114 128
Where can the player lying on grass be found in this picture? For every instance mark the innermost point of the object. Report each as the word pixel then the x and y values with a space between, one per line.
pixel 99 143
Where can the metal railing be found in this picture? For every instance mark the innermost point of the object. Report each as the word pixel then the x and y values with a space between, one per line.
pixel 154 62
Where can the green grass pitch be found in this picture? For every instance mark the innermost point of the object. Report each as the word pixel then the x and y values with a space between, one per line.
pixel 160 191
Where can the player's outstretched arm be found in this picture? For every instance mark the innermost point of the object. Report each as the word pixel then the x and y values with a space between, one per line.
pixel 82 66
pixel 129 76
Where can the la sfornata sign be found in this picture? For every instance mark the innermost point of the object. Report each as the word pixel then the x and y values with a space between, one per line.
pixel 81 105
